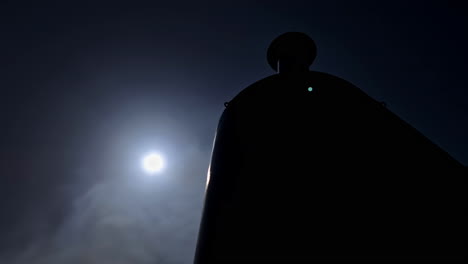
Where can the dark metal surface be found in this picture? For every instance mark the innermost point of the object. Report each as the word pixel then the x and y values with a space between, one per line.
pixel 327 174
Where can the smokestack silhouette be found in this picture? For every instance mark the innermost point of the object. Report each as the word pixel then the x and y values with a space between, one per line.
pixel 292 52
pixel 306 166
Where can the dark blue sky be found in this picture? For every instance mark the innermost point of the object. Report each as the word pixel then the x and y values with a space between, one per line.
pixel 87 88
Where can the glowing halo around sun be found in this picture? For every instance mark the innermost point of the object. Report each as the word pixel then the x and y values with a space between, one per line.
pixel 152 163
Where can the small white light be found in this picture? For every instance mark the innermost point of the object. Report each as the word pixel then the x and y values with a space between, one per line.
pixel 153 163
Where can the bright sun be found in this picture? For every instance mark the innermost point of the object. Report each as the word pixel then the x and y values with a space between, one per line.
pixel 152 163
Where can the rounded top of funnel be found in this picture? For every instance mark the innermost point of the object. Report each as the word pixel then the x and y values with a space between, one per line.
pixel 292 46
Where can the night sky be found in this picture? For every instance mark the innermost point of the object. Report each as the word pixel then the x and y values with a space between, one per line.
pixel 88 88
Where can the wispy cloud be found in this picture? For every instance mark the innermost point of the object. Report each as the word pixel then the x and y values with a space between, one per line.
pixel 122 221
